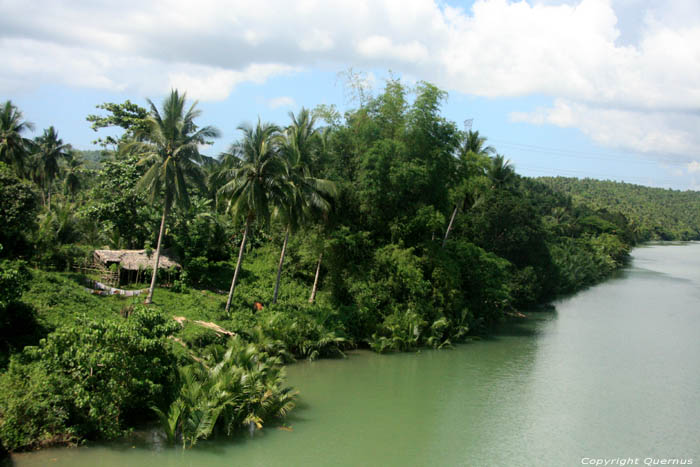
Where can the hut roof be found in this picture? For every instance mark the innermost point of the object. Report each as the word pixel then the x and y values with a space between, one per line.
pixel 136 259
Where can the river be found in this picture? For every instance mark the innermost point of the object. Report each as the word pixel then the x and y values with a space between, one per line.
pixel 612 372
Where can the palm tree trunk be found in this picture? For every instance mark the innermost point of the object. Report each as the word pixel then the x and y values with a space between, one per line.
pixel 318 273
pixel 238 265
pixel 279 267
pixel 149 298
pixel 449 226
pixel 49 197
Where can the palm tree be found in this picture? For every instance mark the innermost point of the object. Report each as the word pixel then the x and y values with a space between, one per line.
pixel 473 143
pixel 244 387
pixel 306 193
pixel 211 167
pixel 50 149
pixel 61 225
pixel 254 183
pixel 324 225
pixel 470 198
pixel 71 182
pixel 473 160
pixel 325 219
pixel 14 148
pixel 170 149
pixel 500 172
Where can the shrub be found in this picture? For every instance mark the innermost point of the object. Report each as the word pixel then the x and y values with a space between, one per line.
pixel 14 281
pixel 306 331
pixel 89 380
pixel 240 388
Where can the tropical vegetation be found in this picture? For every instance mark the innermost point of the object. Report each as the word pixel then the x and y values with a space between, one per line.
pixel 654 213
pixel 385 227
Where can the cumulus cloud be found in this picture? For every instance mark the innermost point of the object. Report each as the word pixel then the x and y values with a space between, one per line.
pixel 278 102
pixel 213 83
pixel 623 71
pixel 664 133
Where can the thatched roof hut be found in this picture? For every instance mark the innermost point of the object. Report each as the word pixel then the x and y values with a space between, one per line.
pixel 133 260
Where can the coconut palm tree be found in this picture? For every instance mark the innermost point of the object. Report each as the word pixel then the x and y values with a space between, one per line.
pixel 49 150
pixel 71 181
pixel 211 167
pixel 306 192
pixel 254 183
pixel 325 220
pixel 14 148
pixel 500 172
pixel 468 199
pixel 473 160
pixel 473 143
pixel 169 147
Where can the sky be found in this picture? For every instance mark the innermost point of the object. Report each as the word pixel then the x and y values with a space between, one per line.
pixel 607 89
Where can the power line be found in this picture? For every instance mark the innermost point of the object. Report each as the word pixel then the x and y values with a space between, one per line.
pixel 590 155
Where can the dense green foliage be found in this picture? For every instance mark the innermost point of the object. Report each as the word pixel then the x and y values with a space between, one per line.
pixel 18 321
pixel 387 228
pixel 18 211
pixel 243 387
pixel 654 213
pixel 87 380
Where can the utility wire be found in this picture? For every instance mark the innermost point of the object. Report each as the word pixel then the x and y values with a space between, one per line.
pixel 591 155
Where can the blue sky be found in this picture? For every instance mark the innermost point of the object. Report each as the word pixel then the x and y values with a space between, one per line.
pixel 589 88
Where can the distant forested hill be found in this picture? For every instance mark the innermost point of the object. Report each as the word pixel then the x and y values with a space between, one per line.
pixel 656 213
pixel 92 159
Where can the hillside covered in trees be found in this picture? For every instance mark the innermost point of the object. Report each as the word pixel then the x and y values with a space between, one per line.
pixel 654 213
pixel 384 227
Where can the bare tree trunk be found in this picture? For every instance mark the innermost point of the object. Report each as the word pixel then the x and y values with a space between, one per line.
pixel 238 265
pixel 149 298
pixel 279 267
pixel 449 226
pixel 318 273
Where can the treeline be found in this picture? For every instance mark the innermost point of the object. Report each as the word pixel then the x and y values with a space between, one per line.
pixel 385 226
pixel 654 213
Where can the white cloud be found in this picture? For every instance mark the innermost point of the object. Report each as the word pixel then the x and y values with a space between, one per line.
pixel 212 84
pixel 623 71
pixel 656 132
pixel 284 101
pixel 382 47
pixel 316 40
pixel 693 167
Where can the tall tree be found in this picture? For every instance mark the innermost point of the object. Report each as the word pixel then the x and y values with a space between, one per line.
pixel 255 183
pixel 14 148
pixel 130 117
pixel 306 192
pixel 49 150
pixel 473 161
pixel 71 180
pixel 501 172
pixel 18 211
pixel 475 144
pixel 169 147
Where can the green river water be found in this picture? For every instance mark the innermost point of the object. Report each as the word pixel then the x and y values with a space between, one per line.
pixel 612 372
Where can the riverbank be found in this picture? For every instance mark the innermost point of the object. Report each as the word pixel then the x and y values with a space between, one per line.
pixel 610 371
pixel 197 335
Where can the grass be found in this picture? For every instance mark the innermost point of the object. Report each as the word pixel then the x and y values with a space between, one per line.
pixel 61 298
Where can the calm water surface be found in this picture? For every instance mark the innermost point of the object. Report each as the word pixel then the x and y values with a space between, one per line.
pixel 613 371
